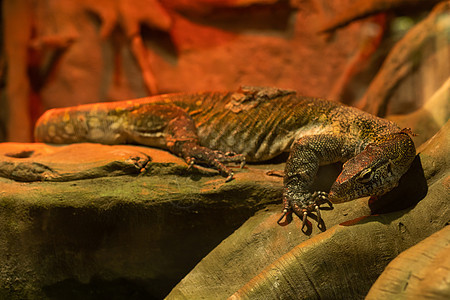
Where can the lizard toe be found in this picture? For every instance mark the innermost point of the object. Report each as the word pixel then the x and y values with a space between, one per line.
pixel 230 157
pixel 304 204
pixel 195 154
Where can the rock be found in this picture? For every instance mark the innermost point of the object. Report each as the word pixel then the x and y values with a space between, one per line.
pixel 263 262
pixel 108 50
pixel 98 227
pixel 422 271
pixel 427 120
pixel 41 162
pixel 251 248
pixel 414 69
pixel 360 9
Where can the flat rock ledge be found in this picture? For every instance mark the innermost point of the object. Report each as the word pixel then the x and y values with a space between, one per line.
pixel 263 261
pixel 90 221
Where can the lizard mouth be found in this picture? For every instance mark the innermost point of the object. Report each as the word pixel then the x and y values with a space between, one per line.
pixel 338 193
pixel 334 197
pixel 344 192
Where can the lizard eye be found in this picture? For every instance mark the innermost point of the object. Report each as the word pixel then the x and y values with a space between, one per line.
pixel 365 176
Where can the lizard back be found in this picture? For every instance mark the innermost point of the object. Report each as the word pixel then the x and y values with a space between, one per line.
pixel 258 124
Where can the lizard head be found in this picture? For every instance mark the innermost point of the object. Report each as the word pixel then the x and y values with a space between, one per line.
pixel 376 170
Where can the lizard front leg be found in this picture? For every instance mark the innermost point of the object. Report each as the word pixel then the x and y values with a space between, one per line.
pixel 306 155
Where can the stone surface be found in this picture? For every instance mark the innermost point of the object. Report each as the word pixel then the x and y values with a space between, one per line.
pixel 417 66
pixel 40 162
pixel 251 248
pixel 263 262
pixel 106 50
pixel 421 272
pixel 427 120
pixel 106 233
pixel 362 8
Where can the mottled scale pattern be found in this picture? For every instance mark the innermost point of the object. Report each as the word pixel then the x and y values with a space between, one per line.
pixel 260 132
pixel 91 123
pixel 216 128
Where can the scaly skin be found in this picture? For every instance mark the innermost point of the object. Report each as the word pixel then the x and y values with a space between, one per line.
pixel 257 123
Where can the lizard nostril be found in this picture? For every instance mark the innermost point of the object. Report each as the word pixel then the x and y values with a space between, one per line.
pixel 332 196
pixel 337 197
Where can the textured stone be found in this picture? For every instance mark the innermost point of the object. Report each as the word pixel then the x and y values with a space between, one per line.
pixel 98 226
pixel 358 10
pixel 421 272
pixel 427 120
pixel 263 262
pixel 41 162
pixel 415 68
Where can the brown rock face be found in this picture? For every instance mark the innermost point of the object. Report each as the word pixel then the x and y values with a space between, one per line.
pixel 89 220
pixel 419 272
pixel 86 219
pixel 259 261
pixel 107 50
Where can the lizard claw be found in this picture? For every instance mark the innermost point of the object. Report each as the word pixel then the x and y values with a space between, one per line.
pixel 230 177
pixel 196 154
pixel 190 161
pixel 303 204
pixel 286 212
pixel 304 219
pixel 241 166
pixel 317 209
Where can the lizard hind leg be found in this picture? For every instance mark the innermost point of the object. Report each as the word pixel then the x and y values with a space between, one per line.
pixel 196 154
pixel 169 126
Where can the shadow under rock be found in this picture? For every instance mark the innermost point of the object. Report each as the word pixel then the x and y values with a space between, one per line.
pixel 412 188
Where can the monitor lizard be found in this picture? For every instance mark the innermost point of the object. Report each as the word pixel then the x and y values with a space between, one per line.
pixel 252 124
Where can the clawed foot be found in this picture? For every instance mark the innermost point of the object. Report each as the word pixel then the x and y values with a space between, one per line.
pixel 303 205
pixel 214 159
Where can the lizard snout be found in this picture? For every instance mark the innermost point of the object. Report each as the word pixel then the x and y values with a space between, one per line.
pixel 339 193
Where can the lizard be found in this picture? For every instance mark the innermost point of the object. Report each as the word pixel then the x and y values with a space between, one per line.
pixel 251 124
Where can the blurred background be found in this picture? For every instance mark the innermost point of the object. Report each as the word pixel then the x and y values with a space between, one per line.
pixel 63 53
